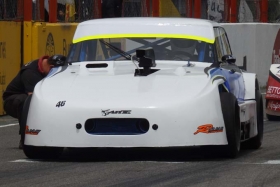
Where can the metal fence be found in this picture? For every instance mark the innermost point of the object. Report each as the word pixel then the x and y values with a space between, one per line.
pixel 218 10
pixel 274 11
pixel 81 10
pixel 11 10
pixel 247 10
pixel 69 10
pixel 132 8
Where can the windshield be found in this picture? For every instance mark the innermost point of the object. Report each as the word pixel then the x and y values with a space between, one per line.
pixel 110 49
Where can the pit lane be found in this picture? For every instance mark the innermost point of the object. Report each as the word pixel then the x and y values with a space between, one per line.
pixel 188 167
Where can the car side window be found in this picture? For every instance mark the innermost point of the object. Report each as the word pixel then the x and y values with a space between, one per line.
pixel 221 42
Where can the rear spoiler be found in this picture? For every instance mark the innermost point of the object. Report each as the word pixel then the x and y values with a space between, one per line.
pixel 244 66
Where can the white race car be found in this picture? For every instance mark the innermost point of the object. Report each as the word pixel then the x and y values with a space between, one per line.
pixel 145 82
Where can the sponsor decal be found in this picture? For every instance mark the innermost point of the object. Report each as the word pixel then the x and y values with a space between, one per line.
pixel 107 112
pixel 32 131
pixel 272 96
pixel 208 128
pixel 273 90
pixel 273 105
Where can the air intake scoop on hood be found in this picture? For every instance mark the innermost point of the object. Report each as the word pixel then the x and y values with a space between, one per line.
pixel 99 65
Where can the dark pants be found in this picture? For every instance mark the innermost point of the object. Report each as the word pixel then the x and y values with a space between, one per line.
pixel 13 106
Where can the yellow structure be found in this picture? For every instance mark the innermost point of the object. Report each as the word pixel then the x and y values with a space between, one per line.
pixel 47 39
pixel 10 54
pixel 167 9
pixel 38 39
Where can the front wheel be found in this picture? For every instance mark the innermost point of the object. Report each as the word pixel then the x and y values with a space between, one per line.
pixel 24 116
pixel 230 111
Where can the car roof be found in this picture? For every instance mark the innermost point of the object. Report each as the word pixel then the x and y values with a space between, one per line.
pixel 191 28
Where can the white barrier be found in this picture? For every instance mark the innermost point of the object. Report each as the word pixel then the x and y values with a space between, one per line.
pixel 260 42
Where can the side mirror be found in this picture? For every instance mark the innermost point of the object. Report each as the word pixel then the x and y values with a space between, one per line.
pixel 229 59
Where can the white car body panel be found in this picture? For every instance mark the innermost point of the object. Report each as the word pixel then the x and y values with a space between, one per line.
pixel 179 26
pixel 250 79
pixel 165 101
pixel 179 98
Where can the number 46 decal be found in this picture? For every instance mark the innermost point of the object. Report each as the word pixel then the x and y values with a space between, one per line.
pixel 60 104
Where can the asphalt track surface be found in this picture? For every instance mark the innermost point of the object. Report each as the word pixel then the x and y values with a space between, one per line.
pixel 183 167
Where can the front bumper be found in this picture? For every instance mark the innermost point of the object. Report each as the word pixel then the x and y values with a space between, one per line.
pixel 176 124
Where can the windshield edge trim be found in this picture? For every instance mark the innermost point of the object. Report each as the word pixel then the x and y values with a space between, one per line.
pixel 103 36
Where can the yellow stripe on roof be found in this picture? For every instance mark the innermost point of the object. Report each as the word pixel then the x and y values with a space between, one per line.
pixel 207 40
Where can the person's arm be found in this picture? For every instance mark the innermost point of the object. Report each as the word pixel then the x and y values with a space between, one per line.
pixel 29 79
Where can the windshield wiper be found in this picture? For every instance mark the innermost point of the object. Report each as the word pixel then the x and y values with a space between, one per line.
pixel 117 50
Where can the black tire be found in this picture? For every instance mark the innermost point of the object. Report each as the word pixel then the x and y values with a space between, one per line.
pixel 35 152
pixel 230 111
pixel 256 142
pixel 24 116
pixel 272 118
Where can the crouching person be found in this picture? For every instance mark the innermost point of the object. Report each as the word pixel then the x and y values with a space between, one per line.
pixel 24 83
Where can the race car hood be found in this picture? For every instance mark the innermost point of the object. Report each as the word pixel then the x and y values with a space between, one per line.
pixel 118 86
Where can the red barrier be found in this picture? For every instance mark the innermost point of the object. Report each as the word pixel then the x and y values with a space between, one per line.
pixel 155 8
pixel 197 8
pixel 264 11
pixel 189 7
pixel 53 11
pixel 233 11
pixel 27 10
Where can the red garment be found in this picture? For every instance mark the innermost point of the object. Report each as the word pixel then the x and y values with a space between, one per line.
pixel 40 66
